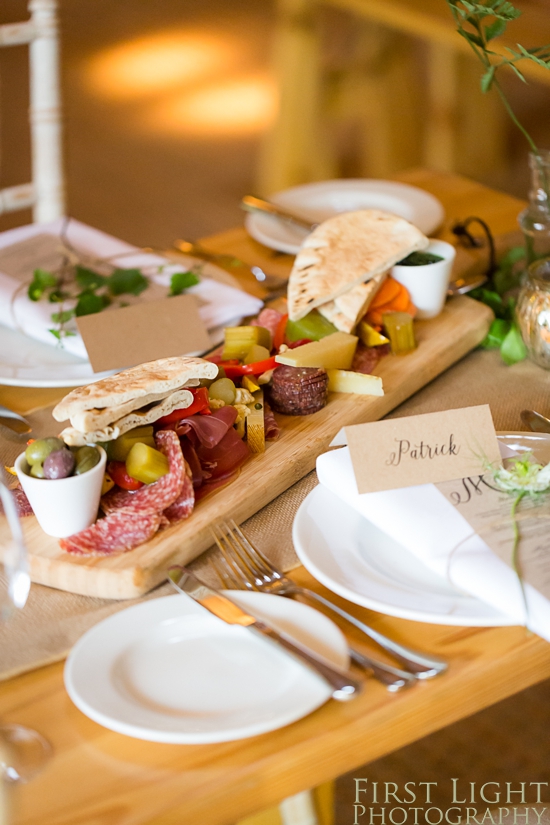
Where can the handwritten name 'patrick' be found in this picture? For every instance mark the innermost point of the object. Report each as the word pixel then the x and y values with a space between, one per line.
pixel 422 450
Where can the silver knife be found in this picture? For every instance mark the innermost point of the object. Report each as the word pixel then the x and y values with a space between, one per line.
pixel 250 203
pixel 344 686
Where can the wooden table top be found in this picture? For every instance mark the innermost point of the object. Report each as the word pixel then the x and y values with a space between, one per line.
pixel 97 776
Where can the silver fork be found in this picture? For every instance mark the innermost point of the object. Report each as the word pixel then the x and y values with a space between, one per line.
pixel 245 563
pixel 237 574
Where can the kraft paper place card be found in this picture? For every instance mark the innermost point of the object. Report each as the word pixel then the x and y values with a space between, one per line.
pixel 143 332
pixel 422 449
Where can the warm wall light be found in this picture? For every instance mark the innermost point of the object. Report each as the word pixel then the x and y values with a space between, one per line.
pixel 159 62
pixel 235 107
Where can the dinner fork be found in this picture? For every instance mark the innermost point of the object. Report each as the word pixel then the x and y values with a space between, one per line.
pixel 393 678
pixel 245 563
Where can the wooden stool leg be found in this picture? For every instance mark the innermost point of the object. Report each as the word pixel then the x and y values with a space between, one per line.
pixel 294 150
pixel 307 808
pixel 440 148
pixel 299 810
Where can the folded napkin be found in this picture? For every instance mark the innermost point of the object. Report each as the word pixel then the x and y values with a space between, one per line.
pixel 425 522
pixel 28 247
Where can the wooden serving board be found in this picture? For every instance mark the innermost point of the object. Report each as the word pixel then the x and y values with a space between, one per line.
pixel 441 342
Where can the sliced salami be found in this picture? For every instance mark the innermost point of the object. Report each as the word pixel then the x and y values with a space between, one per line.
pixel 122 530
pixel 184 504
pixel 268 318
pixel 366 358
pixel 153 498
pixel 21 502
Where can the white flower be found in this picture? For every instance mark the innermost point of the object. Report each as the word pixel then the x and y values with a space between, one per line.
pixel 523 476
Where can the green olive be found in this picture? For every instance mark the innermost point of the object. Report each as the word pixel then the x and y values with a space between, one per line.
pixel 223 389
pixel 86 458
pixel 256 353
pixel 41 448
pixel 37 471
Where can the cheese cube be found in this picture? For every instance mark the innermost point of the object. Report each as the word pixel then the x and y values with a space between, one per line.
pixel 355 382
pixel 335 351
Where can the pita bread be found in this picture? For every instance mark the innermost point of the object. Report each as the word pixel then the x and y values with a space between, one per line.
pixel 158 378
pixel 347 310
pixel 175 401
pixel 347 250
pixel 89 420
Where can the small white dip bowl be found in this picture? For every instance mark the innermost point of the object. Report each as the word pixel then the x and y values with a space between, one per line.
pixel 63 506
pixel 428 284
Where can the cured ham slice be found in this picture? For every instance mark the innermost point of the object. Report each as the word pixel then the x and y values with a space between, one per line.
pixel 122 530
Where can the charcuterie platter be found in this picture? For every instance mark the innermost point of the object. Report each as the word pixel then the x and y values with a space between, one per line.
pixel 170 447
pixel 441 342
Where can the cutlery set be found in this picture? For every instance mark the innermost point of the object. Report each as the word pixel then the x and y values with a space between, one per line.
pixel 243 567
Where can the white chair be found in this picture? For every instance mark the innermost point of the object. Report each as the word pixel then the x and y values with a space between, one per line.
pixel 46 192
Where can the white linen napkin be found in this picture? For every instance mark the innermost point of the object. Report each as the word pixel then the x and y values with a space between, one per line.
pixel 424 522
pixel 220 304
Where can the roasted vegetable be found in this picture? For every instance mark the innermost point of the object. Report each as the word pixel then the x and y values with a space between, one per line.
pixel 146 464
pixel 399 326
pixel 312 326
pixel 118 449
pixel 240 340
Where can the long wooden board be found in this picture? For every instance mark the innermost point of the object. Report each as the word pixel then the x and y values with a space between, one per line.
pixel 441 342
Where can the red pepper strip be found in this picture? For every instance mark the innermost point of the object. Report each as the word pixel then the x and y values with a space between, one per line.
pixel 238 370
pixel 260 366
pixel 117 471
pixel 300 343
pixel 200 403
pixel 232 370
pixel 279 337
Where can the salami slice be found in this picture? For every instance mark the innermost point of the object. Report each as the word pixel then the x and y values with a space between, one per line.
pixel 122 530
pixel 22 503
pixel 268 318
pixel 184 504
pixel 366 358
pixel 153 498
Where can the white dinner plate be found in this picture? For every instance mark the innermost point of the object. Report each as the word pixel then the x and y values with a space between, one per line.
pixel 356 560
pixel 318 201
pixel 167 670
pixel 26 362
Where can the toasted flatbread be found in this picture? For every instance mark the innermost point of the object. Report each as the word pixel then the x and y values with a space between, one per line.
pixel 89 420
pixel 347 309
pixel 158 378
pixel 346 250
pixel 152 412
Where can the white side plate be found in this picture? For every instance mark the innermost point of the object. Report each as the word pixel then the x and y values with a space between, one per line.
pixel 356 560
pixel 318 201
pixel 167 670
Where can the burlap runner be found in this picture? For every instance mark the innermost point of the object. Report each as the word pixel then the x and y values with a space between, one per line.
pixel 52 620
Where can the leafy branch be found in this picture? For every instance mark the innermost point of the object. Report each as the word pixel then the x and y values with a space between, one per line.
pixel 480 24
pixel 89 291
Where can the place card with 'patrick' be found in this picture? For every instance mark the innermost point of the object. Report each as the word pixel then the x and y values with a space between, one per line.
pixel 422 449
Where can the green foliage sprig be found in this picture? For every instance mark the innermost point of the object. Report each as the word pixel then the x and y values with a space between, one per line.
pixel 480 24
pixel 89 291
pixel 504 333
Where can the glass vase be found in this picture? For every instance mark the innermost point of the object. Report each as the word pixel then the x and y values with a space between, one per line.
pixel 534 220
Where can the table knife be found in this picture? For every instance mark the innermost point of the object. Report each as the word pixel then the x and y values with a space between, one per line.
pixel 250 203
pixel 344 685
